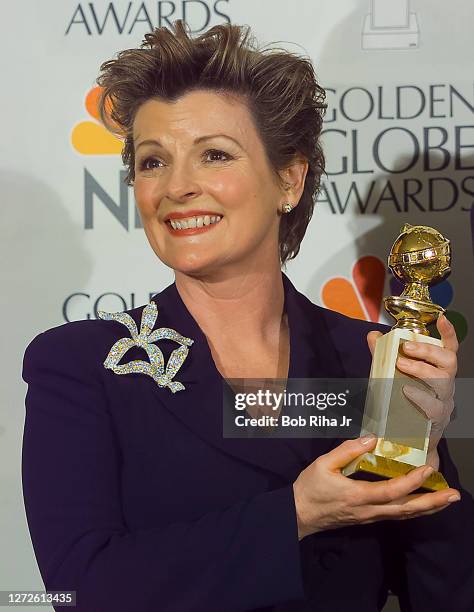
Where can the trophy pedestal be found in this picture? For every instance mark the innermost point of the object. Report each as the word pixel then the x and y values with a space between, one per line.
pixel 401 427
pixel 375 467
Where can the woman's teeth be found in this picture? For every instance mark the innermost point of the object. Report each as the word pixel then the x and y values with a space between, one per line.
pixel 191 222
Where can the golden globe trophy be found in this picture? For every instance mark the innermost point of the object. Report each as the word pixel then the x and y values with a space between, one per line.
pixel 419 257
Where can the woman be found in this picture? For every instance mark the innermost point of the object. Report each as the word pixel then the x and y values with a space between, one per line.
pixel 134 498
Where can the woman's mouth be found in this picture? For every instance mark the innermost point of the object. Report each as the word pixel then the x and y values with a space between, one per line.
pixel 192 224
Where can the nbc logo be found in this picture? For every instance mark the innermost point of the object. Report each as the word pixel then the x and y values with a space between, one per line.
pixel 361 296
pixel 91 137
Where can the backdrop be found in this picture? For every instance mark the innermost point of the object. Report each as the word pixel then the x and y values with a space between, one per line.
pixel 399 141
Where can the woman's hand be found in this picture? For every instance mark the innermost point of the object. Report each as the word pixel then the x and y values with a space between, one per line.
pixel 436 366
pixel 325 499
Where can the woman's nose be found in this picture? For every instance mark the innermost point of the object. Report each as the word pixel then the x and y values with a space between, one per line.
pixel 182 183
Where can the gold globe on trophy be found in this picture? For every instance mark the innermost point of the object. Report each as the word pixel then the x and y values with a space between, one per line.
pixel 420 257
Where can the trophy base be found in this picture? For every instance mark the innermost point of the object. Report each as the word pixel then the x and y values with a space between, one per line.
pixel 375 467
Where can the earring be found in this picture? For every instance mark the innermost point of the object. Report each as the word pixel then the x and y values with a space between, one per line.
pixel 288 207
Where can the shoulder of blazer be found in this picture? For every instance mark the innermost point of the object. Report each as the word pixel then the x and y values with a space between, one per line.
pixel 84 344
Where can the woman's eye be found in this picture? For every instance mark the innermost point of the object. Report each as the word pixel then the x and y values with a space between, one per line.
pixel 145 164
pixel 217 153
pixel 211 155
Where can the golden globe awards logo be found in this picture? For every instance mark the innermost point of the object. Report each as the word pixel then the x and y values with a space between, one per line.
pixel 399 148
pixel 95 18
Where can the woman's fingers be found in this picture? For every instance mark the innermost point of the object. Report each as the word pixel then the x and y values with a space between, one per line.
pixel 372 339
pixel 438 356
pixel 435 409
pixel 438 379
pixel 412 506
pixel 390 491
pixel 343 454
pixel 386 491
pixel 447 333
pixel 400 516
pixel 409 506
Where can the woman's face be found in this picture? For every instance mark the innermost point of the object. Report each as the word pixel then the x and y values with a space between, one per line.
pixel 201 166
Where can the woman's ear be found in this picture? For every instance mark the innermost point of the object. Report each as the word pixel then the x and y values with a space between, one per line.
pixel 293 178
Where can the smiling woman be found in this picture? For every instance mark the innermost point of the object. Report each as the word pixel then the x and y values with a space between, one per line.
pixel 200 159
pixel 134 498
pixel 219 85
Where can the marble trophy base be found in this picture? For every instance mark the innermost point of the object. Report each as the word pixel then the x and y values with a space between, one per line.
pixel 390 38
pixel 402 429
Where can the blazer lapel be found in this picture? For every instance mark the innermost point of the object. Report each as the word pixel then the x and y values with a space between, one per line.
pixel 200 405
pixel 313 355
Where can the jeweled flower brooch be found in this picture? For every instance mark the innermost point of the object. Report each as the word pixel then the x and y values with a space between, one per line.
pixel 161 374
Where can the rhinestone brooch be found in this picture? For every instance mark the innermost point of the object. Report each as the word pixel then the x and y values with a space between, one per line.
pixel 161 374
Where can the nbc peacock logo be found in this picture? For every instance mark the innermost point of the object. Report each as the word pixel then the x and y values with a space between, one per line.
pixel 361 295
pixel 90 137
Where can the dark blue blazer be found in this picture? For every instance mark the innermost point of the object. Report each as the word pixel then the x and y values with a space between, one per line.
pixel 136 501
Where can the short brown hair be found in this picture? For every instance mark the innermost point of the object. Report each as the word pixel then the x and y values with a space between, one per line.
pixel 283 96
